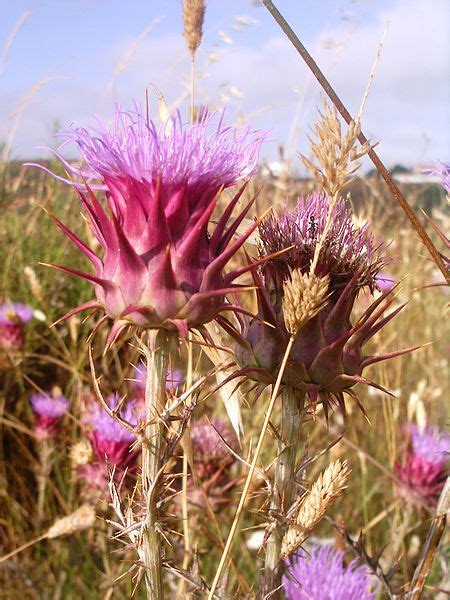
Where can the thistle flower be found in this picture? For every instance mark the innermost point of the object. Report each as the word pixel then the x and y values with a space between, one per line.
pixel 441 170
pixel 322 576
pixel 210 453
pixel 161 267
pixel 110 442
pixel 48 410
pixel 326 360
pixel 13 317
pixel 384 282
pixel 423 470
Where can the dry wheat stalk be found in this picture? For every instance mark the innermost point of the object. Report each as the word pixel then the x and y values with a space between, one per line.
pixel 193 15
pixel 329 485
pixel 305 295
pixel 82 518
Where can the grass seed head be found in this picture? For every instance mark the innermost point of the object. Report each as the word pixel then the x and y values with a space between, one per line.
pixel 193 16
pixel 304 297
pixel 82 518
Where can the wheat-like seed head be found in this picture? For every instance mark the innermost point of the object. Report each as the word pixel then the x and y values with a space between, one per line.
pixel 336 154
pixel 193 15
pixel 304 296
pixel 329 485
pixel 81 454
pixel 82 518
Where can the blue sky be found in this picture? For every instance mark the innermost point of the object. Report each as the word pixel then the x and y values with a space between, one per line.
pixel 71 51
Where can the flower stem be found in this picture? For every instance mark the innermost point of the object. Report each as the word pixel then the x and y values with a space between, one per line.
pixel 283 491
pixel 155 395
pixel 45 450
pixel 243 498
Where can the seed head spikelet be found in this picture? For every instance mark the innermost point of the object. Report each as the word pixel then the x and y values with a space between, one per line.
pixel 193 16
pixel 81 519
pixel 329 485
pixel 304 296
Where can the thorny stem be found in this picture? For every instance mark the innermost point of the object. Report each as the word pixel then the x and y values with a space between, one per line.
pixel 361 137
pixel 155 395
pixel 430 547
pixel 283 492
pixel 248 481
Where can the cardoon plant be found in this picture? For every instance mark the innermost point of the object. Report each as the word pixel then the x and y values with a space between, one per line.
pixel 423 469
pixel 162 266
pixel 321 575
pixel 13 317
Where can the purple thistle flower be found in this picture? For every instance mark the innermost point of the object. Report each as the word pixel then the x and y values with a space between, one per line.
pixel 13 317
pixel 441 170
pixel 327 357
pixel 423 469
pixel 347 249
pixel 384 282
pixel 109 438
pixel 210 454
pixel 48 410
pixel 430 444
pixel 161 267
pixel 323 576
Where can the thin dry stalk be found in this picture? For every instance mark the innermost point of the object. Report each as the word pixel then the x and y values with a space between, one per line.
pixel 248 481
pixel 329 486
pixel 430 547
pixel 415 222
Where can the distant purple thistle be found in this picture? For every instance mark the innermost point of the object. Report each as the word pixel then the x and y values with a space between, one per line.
pixel 384 282
pixel 441 170
pixel 323 576
pixel 48 410
pixel 161 266
pixel 423 469
pixel 13 317
pixel 430 444
pixel 109 438
pixel 209 451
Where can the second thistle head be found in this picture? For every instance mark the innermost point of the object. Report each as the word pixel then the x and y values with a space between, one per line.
pixel 327 356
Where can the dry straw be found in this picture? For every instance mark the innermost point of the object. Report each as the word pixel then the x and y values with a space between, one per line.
pixel 193 15
pixel 82 518
pixel 329 485
pixel 305 295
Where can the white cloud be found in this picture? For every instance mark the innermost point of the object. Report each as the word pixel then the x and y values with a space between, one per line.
pixel 408 100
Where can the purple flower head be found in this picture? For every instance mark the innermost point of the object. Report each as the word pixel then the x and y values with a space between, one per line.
pixel 161 266
pixel 13 316
pixel 109 438
pixel 11 313
pixel 48 410
pixel 430 444
pixel 327 358
pixel 422 470
pixel 323 576
pixel 347 249
pixel 175 378
pixel 209 451
pixel 384 282
pixel 442 170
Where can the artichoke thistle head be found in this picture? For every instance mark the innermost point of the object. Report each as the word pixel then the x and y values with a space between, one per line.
pixel 161 266
pixel 327 357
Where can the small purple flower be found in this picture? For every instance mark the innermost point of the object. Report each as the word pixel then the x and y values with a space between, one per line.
pixel 423 469
pixel 322 576
pixel 109 438
pixel 430 444
pixel 441 170
pixel 161 266
pixel 384 282
pixel 13 317
pixel 48 410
